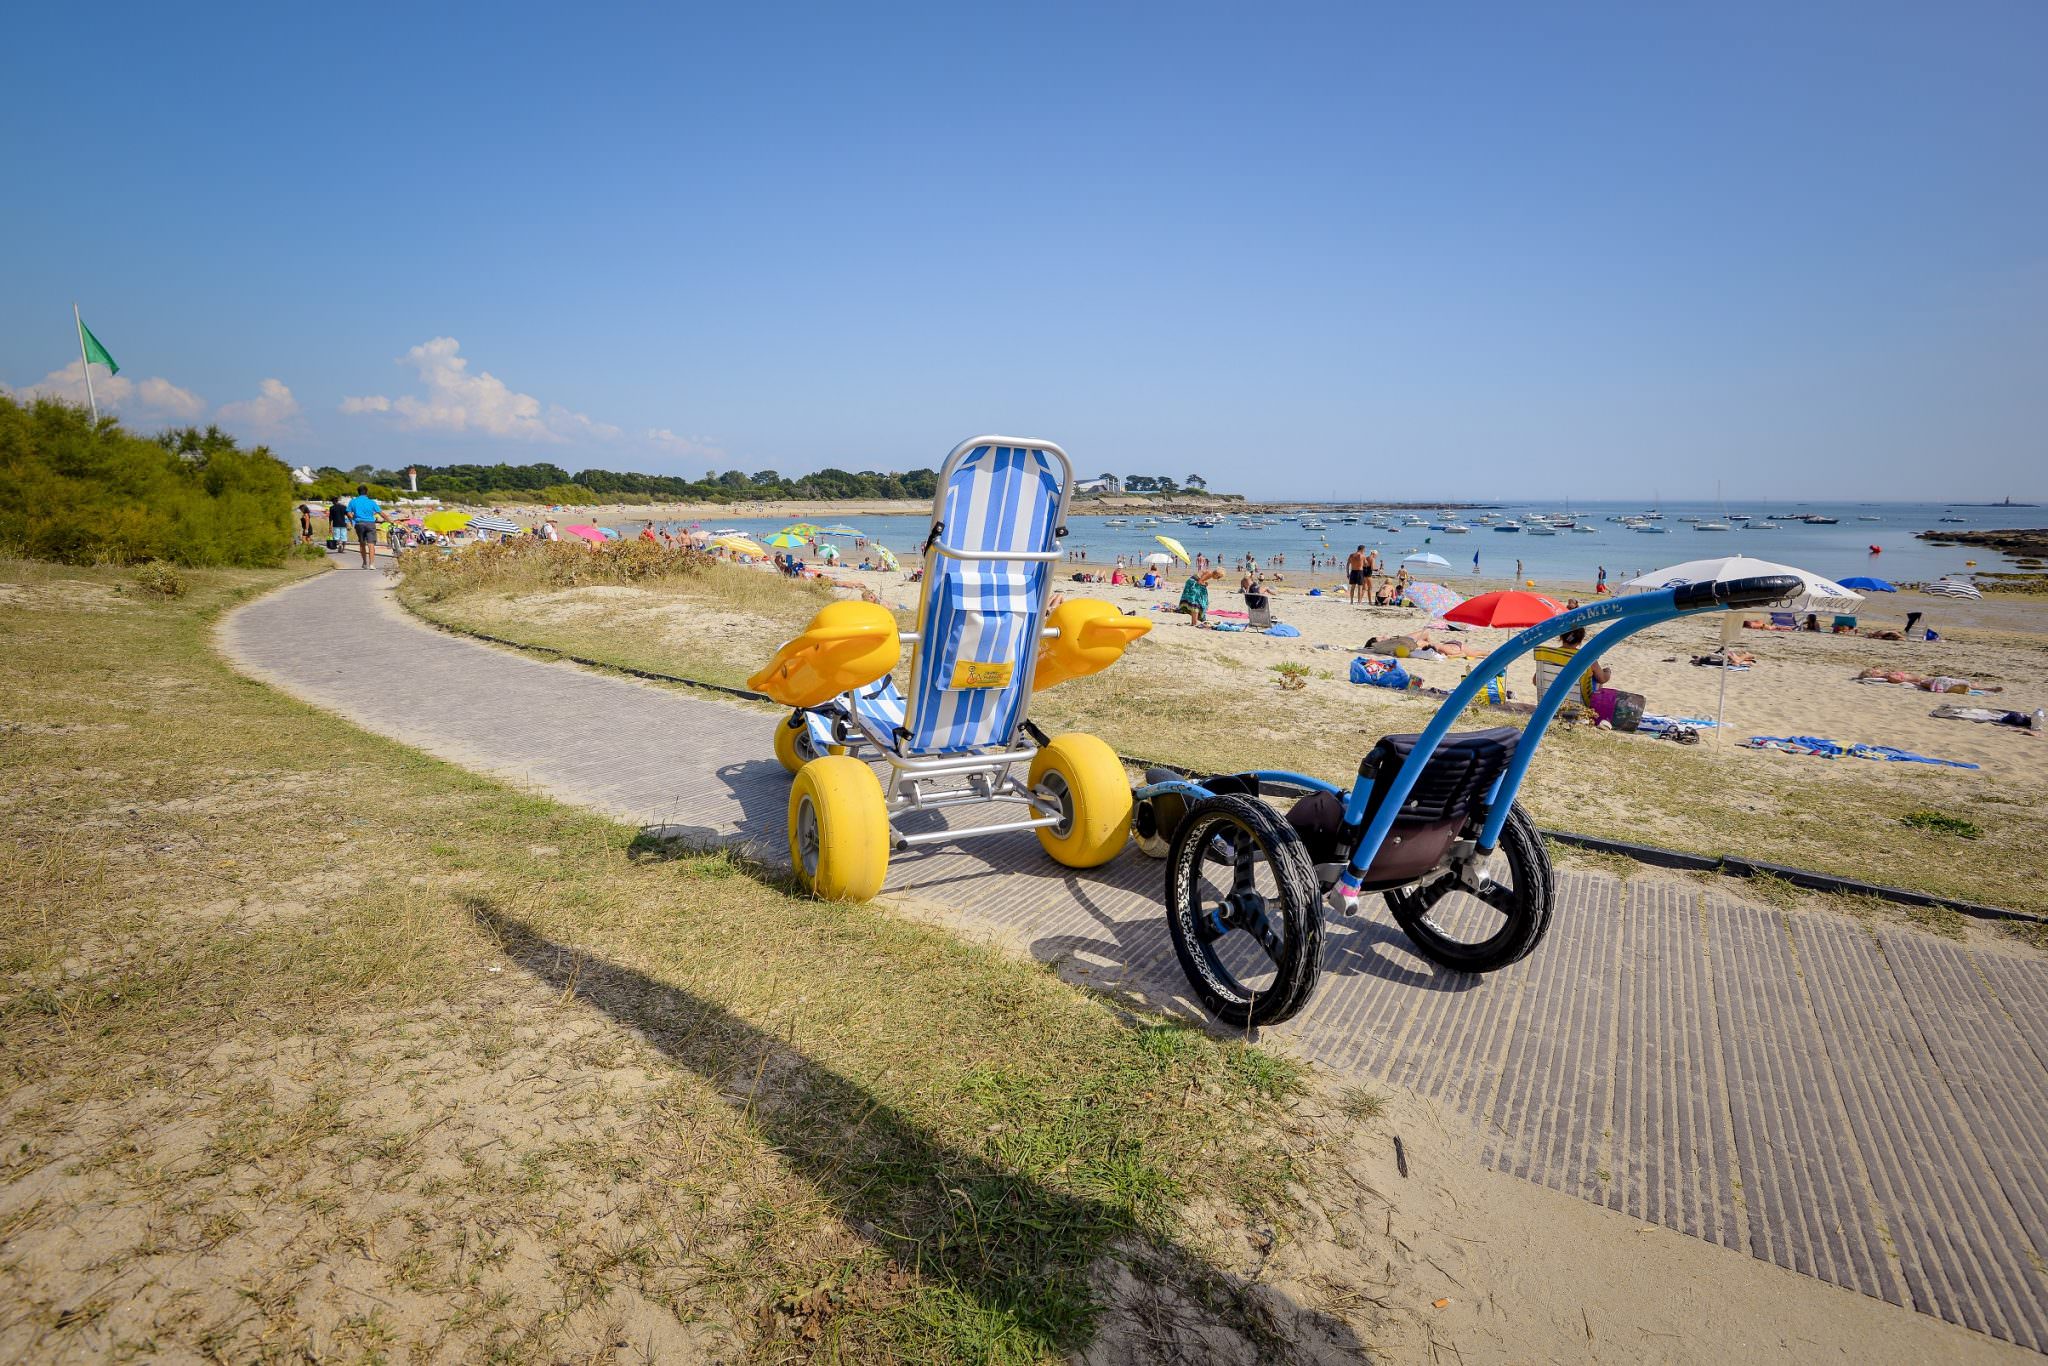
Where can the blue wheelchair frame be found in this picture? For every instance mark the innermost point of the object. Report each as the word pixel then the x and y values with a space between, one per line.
pixel 1627 616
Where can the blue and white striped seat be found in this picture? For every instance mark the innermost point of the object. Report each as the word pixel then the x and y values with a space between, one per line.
pixel 878 706
pixel 979 620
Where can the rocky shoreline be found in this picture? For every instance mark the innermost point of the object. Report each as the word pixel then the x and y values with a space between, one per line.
pixel 2028 542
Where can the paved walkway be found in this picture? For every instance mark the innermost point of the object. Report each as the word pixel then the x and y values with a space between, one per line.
pixel 1869 1108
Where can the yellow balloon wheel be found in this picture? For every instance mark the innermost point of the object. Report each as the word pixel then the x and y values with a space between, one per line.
pixel 838 829
pixel 794 746
pixel 1085 777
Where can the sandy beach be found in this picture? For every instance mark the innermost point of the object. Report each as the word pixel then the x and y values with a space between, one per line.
pixel 1802 683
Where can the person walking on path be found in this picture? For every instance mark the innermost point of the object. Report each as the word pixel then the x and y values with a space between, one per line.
pixel 365 512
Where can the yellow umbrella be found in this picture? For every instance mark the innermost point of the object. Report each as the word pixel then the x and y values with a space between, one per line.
pixel 782 540
pixel 804 529
pixel 1180 552
pixel 446 521
pixel 887 557
pixel 740 545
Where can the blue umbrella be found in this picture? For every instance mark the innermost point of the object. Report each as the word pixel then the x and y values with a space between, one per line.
pixel 1868 585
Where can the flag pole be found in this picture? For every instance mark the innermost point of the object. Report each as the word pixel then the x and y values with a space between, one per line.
pixel 84 365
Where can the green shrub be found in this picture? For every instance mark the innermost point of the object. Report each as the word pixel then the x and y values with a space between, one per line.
pixel 154 576
pixel 1942 823
pixel 83 495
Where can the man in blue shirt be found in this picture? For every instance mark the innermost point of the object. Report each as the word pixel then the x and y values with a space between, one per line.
pixel 366 512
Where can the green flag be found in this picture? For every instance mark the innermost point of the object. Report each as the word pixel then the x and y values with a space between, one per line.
pixel 94 351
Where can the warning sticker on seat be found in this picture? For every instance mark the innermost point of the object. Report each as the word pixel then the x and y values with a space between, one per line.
pixel 971 673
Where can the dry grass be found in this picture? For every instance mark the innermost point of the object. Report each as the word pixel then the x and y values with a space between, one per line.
pixel 723 625
pixel 318 1048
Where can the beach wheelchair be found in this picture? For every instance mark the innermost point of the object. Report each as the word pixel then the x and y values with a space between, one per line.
pixel 985 641
pixel 1431 824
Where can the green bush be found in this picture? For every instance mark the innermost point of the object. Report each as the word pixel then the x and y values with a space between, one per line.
pixel 80 495
pixel 154 576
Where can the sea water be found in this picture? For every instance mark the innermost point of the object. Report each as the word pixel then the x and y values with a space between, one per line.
pixel 1883 546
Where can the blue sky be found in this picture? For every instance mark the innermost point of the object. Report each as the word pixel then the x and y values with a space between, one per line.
pixel 1354 250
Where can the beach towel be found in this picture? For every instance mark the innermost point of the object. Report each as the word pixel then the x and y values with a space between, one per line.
pixel 1226 626
pixel 1829 749
pixel 1887 754
pixel 1655 724
pixel 1281 628
pixel 2023 720
pixel 1378 673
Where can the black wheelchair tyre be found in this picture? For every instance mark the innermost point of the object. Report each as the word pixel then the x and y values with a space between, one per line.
pixel 1273 911
pixel 1522 905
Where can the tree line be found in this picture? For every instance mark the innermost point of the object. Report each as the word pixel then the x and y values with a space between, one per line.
pixel 547 483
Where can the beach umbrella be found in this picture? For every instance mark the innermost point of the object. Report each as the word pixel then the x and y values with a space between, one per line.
pixel 739 545
pixel 1432 598
pixel 608 533
pixel 838 531
pixel 1953 588
pixel 1511 609
pixel 828 550
pixel 1155 558
pixel 489 521
pixel 1816 594
pixel 886 556
pixel 447 521
pixel 1180 552
pixel 806 530
pixel 584 533
pixel 1865 584
pixel 783 540
pixel 1424 557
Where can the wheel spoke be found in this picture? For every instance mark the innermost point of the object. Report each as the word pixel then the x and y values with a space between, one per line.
pixel 1259 926
pixel 1499 896
pixel 1244 878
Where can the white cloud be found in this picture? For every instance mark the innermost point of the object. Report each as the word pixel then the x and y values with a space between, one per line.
pixel 696 447
pixel 457 399
pixel 156 395
pixel 454 398
pixel 273 412
pixel 167 397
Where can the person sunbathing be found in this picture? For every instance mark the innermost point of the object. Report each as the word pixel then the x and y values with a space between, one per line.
pixel 1941 683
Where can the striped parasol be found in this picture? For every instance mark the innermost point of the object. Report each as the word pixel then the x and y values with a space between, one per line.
pixel 490 521
pixel 1953 588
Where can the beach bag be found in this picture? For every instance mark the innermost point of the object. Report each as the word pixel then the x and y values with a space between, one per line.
pixel 1378 673
pixel 1628 710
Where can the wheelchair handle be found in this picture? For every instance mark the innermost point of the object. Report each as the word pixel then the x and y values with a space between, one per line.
pixel 1756 592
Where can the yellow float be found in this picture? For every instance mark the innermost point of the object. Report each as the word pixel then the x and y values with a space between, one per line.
pixel 848 645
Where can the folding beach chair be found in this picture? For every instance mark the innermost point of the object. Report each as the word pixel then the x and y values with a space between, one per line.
pixel 1259 608
pixel 984 642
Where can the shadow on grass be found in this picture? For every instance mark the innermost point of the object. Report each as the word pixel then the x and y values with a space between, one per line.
pixel 1009 1257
